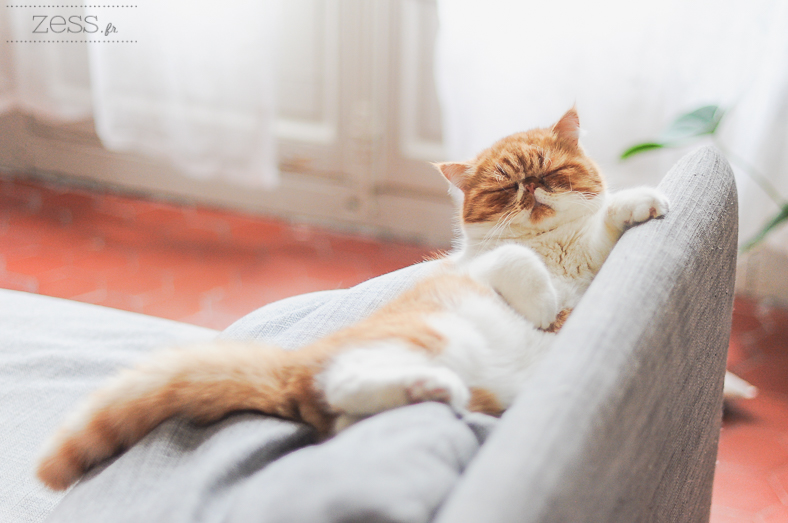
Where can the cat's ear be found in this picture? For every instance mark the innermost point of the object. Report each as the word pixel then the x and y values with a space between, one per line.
pixel 455 172
pixel 568 127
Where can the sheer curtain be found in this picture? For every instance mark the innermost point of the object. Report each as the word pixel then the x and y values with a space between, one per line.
pixel 631 68
pixel 191 82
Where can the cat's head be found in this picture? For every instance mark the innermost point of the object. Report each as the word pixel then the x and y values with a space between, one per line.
pixel 528 182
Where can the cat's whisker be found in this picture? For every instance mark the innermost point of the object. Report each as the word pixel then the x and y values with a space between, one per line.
pixel 492 232
pixel 504 222
pixel 510 220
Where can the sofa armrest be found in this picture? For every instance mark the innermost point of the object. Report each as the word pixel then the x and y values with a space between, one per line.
pixel 621 419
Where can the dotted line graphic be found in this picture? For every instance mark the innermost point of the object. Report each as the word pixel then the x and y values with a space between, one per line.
pixel 71 41
pixel 67 6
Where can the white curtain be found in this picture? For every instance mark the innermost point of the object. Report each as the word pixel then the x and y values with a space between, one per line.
pixel 188 81
pixel 631 67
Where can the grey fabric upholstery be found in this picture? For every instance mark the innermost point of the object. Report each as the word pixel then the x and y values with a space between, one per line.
pixel 621 420
pixel 619 423
pixel 397 466
pixel 53 352
pixel 297 321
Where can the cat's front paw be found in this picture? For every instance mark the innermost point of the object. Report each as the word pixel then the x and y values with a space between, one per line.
pixel 539 307
pixel 633 206
pixel 521 278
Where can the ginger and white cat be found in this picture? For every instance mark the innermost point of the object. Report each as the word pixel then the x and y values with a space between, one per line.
pixel 537 224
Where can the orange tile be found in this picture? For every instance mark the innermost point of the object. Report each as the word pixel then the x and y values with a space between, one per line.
pixel 779 482
pixel 195 237
pixel 69 244
pixel 767 411
pixel 736 352
pixel 169 307
pixel 67 283
pixel 743 491
pixel 243 299
pixel 773 340
pixel 161 257
pixel 9 241
pixel 248 231
pixel 112 206
pixel 32 219
pixel 105 262
pixel 76 201
pixel 18 282
pixel 32 265
pixel 107 201
pixel 16 196
pixel 751 447
pixel 174 308
pixel 115 300
pixel 162 216
pixel 118 234
pixel 198 279
pixel 768 372
pixel 69 289
pixel 138 282
pixel 727 515
pixel 745 315
pixel 774 514
pixel 197 218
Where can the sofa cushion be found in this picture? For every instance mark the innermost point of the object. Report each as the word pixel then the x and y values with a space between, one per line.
pixel 53 352
pixel 619 423
pixel 297 321
pixel 397 466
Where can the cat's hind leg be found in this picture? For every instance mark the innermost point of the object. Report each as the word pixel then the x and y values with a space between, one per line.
pixel 520 276
pixel 371 379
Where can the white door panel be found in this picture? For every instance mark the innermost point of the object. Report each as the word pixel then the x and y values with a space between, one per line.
pixel 358 123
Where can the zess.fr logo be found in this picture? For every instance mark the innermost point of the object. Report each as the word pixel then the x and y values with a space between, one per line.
pixel 75 24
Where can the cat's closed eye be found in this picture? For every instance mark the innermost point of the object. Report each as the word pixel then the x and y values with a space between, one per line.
pixel 508 187
pixel 500 174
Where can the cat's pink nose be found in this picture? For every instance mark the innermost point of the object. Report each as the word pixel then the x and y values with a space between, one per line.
pixel 531 187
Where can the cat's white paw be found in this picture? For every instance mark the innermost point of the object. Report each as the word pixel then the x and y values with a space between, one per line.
pixel 637 205
pixel 366 381
pixel 366 394
pixel 440 384
pixel 359 396
pixel 520 276
pixel 545 311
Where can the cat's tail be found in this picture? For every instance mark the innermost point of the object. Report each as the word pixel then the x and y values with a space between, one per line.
pixel 201 383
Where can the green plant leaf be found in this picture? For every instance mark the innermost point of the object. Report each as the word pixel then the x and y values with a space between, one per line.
pixel 701 121
pixel 639 148
pixel 774 222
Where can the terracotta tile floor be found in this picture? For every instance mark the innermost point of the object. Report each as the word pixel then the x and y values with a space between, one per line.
pixel 751 482
pixel 209 268
pixel 184 263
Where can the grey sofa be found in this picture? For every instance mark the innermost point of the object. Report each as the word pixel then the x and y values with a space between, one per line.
pixel 619 422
